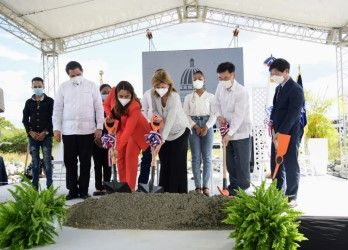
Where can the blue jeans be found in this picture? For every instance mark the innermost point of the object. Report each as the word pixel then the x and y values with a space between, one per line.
pixel 201 150
pixel 46 146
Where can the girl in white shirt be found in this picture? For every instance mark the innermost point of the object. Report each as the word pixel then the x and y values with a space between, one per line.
pixel 198 108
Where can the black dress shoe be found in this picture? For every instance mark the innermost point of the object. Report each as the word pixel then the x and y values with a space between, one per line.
pixel 71 196
pixel 84 196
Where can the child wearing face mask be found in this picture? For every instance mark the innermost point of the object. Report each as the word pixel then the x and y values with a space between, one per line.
pixel 166 103
pixel 198 108
pixel 102 170
pixel 123 112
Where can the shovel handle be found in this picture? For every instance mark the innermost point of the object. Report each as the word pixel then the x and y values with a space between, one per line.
pixel 152 179
pixel 279 161
pixel 114 169
pixel 224 169
pixel 153 169
pixel 224 183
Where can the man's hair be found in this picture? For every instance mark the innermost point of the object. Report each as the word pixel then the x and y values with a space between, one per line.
pixel 226 66
pixel 280 64
pixel 39 79
pixel 103 86
pixel 73 65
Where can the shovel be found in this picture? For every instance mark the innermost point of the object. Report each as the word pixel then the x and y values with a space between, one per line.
pixel 150 187
pixel 283 141
pixel 116 187
pixel 224 128
pixel 224 191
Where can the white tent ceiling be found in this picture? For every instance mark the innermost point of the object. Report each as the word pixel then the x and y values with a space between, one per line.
pixel 64 18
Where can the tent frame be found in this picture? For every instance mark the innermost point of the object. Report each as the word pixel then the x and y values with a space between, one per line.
pixel 190 11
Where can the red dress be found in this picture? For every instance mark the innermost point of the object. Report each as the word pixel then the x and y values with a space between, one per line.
pixel 130 138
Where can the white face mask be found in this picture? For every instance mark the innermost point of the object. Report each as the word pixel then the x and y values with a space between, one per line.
pixel 277 79
pixel 124 101
pixel 161 91
pixel 198 84
pixel 226 84
pixel 77 80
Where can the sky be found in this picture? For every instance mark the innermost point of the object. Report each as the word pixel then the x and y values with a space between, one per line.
pixel 122 60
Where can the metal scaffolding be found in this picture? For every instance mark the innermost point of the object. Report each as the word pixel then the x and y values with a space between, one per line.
pixel 50 69
pixel 342 101
pixel 189 11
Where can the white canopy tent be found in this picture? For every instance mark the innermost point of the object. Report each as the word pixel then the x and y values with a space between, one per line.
pixel 57 27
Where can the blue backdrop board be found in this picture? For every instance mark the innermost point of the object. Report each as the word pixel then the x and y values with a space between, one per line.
pixel 181 64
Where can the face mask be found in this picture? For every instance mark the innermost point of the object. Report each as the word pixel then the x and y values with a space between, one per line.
pixel 38 91
pixel 161 91
pixel 104 97
pixel 124 101
pixel 198 84
pixel 77 80
pixel 277 79
pixel 226 84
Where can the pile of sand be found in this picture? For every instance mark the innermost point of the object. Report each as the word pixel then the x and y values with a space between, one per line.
pixel 149 211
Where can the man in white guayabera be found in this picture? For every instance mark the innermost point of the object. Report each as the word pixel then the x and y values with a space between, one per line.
pixel 78 117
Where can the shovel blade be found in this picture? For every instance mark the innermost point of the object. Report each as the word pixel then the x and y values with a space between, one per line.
pixel 223 192
pixel 117 187
pixel 146 188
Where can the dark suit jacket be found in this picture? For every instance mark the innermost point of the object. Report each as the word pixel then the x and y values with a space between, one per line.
pixel 286 112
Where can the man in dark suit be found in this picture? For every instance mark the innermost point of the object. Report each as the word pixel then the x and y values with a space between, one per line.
pixel 285 117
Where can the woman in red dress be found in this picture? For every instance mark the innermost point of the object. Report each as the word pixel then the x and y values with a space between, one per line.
pixel 123 112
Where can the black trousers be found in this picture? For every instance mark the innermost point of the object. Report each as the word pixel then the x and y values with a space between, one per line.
pixel 81 147
pixel 238 164
pixel 173 158
pixel 145 166
pixel 102 170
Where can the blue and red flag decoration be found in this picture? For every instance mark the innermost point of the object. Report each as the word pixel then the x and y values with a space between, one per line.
pixel 108 141
pixel 269 61
pixel 153 139
pixel 224 128
pixel 303 118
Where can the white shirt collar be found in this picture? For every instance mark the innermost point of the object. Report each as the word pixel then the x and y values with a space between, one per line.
pixel 285 82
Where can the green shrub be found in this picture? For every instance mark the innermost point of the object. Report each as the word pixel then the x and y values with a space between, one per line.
pixel 320 126
pixel 263 221
pixel 30 219
pixel 18 139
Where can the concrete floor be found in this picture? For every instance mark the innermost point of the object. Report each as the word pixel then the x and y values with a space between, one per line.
pixel 71 238
pixel 318 195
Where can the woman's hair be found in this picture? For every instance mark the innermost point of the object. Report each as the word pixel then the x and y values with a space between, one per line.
pixel 161 76
pixel 119 109
pixel 199 72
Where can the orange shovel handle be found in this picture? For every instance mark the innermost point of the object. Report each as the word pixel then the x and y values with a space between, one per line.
pixel 283 141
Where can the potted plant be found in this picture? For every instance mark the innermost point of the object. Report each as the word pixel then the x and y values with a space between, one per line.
pixel 31 218
pixel 263 220
pixel 321 136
